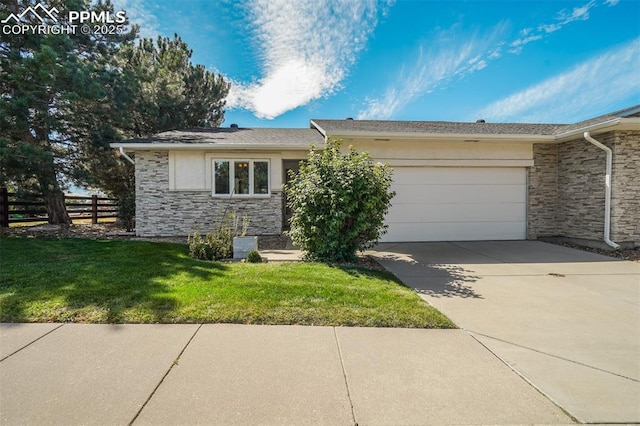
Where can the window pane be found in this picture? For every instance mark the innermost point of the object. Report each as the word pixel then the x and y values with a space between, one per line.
pixel 221 177
pixel 260 177
pixel 241 171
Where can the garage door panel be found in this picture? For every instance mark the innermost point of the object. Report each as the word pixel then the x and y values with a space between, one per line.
pixel 456 231
pixel 456 212
pixel 457 204
pixel 458 175
pixel 421 194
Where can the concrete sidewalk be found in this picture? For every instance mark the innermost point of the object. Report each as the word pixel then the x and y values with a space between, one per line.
pixel 237 374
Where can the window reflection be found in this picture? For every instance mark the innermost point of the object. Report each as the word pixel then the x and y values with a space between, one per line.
pixel 241 175
pixel 221 179
pixel 260 177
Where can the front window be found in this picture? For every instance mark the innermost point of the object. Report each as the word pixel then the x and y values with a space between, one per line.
pixel 221 178
pixel 260 177
pixel 240 177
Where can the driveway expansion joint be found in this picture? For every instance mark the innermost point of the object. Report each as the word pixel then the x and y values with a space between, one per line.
pixel 525 379
pixel 477 252
pixel 173 364
pixel 471 332
pixel 31 343
pixel 344 374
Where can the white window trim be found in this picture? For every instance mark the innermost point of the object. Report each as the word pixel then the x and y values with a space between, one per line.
pixel 232 180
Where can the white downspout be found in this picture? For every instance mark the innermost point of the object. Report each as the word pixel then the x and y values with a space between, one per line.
pixel 607 191
pixel 124 154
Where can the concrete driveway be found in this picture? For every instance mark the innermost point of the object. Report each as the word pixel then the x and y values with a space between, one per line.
pixel 568 321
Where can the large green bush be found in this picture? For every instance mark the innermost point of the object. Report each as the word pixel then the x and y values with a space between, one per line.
pixel 338 202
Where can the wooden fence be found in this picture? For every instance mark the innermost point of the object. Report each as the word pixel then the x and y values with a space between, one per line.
pixel 13 210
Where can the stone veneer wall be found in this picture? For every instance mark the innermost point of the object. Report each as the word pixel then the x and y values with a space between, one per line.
pixel 542 200
pixel 625 189
pixel 566 189
pixel 160 212
pixel 581 169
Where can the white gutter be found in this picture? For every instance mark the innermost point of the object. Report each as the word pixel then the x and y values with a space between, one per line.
pixel 168 146
pixel 124 154
pixel 607 193
pixel 318 128
pixel 561 137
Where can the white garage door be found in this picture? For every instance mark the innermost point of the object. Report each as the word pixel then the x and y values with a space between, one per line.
pixel 457 204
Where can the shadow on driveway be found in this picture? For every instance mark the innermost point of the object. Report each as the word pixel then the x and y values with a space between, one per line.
pixel 448 269
pixel 433 279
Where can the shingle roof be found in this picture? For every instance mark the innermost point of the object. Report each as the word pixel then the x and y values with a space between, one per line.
pixel 236 136
pixel 338 127
pixel 440 127
pixel 630 112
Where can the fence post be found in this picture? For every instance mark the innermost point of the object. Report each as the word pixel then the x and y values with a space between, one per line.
pixel 94 209
pixel 4 208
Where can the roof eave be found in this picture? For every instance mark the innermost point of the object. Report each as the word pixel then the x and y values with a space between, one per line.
pixel 206 146
pixel 596 127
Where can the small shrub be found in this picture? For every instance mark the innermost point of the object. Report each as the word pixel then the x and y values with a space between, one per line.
pixel 217 245
pixel 212 246
pixel 254 257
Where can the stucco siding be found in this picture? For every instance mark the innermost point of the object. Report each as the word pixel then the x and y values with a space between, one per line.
pixel 164 212
pixel 396 150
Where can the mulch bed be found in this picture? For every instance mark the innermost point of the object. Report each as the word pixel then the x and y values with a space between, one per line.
pixel 624 254
pixel 112 231
pixel 109 231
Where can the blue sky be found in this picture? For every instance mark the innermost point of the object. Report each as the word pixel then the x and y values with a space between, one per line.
pixel 504 61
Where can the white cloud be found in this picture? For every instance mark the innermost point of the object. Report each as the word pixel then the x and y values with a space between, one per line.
pixel 611 2
pixel 563 18
pixel 496 52
pixel 307 48
pixel 517 45
pixel 436 63
pixel 138 14
pixel 603 80
pixel 577 14
pixel 479 65
pixel 549 28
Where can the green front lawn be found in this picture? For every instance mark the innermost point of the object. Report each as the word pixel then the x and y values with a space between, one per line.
pixel 103 281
